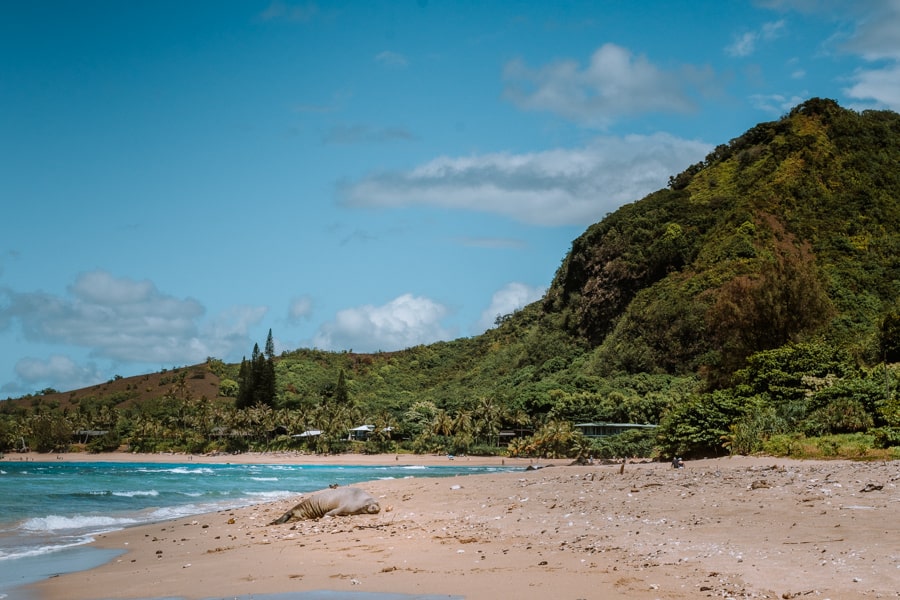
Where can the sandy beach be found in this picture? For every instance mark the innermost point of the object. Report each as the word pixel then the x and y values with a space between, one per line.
pixel 726 528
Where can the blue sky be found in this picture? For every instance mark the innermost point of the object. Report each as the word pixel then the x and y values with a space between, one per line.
pixel 178 177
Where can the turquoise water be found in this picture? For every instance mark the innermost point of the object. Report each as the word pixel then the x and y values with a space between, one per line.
pixel 50 510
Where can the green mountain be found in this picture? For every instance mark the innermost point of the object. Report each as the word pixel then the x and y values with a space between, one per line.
pixel 750 305
pixel 791 232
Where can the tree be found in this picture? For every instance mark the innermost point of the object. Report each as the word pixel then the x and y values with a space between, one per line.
pixel 264 379
pixel 889 338
pixel 256 380
pixel 442 424
pixel 245 386
pixel 270 346
pixel 341 393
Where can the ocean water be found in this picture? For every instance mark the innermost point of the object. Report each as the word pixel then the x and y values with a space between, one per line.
pixel 49 511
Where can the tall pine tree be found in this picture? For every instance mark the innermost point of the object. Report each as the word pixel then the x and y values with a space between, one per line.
pixel 341 393
pixel 245 386
pixel 270 346
pixel 256 380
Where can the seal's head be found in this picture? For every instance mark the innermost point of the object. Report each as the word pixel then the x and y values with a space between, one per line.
pixel 373 508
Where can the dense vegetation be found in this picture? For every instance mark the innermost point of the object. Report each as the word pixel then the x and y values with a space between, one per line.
pixel 750 306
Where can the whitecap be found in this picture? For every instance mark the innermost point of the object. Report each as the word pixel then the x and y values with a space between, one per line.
pixel 135 493
pixel 264 478
pixel 189 471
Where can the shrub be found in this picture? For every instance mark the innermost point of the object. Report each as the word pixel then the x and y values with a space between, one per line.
pixel 634 443
pixel 885 437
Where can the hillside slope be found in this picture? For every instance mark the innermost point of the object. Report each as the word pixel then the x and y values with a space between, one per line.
pixel 789 232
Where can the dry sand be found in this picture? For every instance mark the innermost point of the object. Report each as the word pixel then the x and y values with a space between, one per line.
pixel 725 528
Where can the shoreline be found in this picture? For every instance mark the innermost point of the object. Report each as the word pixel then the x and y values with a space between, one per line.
pixel 738 527
pixel 280 458
pixel 86 556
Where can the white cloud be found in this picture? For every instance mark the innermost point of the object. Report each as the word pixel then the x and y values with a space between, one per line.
pixel 776 104
pixel 393 60
pixel 507 300
pixel 228 332
pixel 59 371
pixel 773 30
pixel 745 43
pixel 880 85
pixel 403 322
pixel 301 307
pixel 872 27
pixel 876 39
pixel 555 187
pixel 129 321
pixel 877 24
pixel 614 83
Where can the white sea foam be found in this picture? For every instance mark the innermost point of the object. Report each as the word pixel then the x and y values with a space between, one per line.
pixel 273 495
pixel 264 478
pixel 135 493
pixel 181 470
pixel 60 523
pixel 190 470
pixel 27 551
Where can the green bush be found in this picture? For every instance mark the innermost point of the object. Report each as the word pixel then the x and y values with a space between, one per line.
pixel 109 442
pixel 885 437
pixel 784 444
pixel 637 443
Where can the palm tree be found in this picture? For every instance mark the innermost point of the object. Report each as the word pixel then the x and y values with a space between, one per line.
pixel 442 424
pixel 488 420
pixel 519 447
pixel 519 419
pixel 463 429
pixel 381 437
pixel 554 439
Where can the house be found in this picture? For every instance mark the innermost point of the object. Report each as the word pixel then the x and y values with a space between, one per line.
pixel 364 432
pixel 83 436
pixel 597 430
pixel 361 433
pixel 309 433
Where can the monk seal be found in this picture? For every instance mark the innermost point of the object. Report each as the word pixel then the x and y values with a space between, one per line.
pixel 333 502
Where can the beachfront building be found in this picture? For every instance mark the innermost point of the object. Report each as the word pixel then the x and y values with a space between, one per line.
pixel 308 434
pixel 361 433
pixel 364 432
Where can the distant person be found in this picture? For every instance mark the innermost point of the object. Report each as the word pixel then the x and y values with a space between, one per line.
pixel 677 463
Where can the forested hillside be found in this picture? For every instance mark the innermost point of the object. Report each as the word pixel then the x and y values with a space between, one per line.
pixel 750 306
